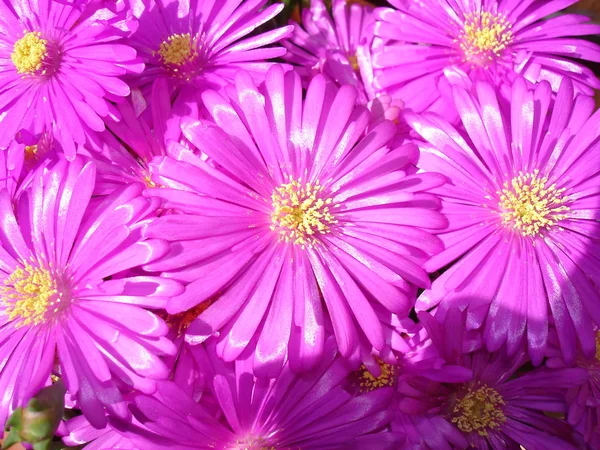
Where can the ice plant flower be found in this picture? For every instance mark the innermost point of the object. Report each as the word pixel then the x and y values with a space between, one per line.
pixel 498 407
pixel 523 206
pixel 489 39
pixel 60 64
pixel 60 301
pixel 583 400
pixel 311 223
pixel 336 45
pixel 203 44
pixel 309 411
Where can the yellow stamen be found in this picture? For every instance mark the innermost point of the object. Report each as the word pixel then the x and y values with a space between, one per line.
pixel 529 206
pixel 178 49
pixel 29 293
pixel 368 382
pixel 598 346
pixel 485 35
pixel 29 53
pixel 479 411
pixel 300 212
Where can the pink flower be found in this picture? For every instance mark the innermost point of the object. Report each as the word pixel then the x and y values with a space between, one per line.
pixel 312 411
pixel 336 45
pixel 61 298
pixel 202 44
pixel 489 39
pixel 60 65
pixel 490 404
pixel 523 205
pixel 311 223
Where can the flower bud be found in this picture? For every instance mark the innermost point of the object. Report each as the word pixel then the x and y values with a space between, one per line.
pixel 37 422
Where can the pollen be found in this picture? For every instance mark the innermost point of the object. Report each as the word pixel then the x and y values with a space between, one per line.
pixel 368 382
pixel 301 212
pixel 484 36
pixel 529 205
pixel 178 49
pixel 29 52
pixel 479 411
pixel 30 294
pixel 598 346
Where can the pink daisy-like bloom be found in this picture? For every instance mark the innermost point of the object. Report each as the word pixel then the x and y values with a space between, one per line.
pixel 312 411
pixel 60 65
pixel 489 39
pixel 60 302
pixel 336 45
pixel 583 400
pixel 201 44
pixel 523 205
pixel 310 222
pixel 497 407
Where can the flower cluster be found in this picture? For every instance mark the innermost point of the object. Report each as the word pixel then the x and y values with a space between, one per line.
pixel 260 225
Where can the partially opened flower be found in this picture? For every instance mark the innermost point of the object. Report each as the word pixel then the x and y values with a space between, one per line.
pixel 60 64
pixel 202 44
pixel 489 39
pixel 583 400
pixel 523 205
pixel 312 222
pixel 336 45
pixel 123 153
pixel 309 411
pixel 496 408
pixel 61 301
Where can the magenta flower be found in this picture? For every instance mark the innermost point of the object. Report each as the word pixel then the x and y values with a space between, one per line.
pixel 489 39
pixel 336 45
pixel 523 206
pixel 312 411
pixel 61 301
pixel 497 408
pixel 203 44
pixel 583 400
pixel 312 211
pixel 59 66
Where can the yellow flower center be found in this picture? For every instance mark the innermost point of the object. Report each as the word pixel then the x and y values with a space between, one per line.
pixel 484 36
pixel 178 49
pixel 598 346
pixel 479 410
pixel 29 53
pixel 30 293
pixel 529 205
pixel 368 382
pixel 300 212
